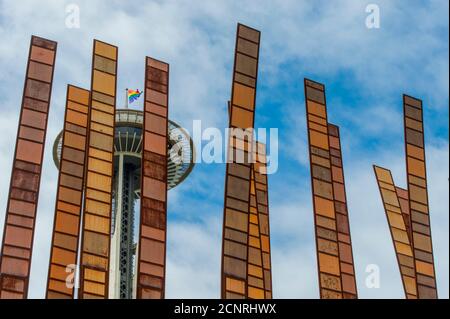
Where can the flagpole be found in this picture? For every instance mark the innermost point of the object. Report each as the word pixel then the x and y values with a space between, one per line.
pixel 126 98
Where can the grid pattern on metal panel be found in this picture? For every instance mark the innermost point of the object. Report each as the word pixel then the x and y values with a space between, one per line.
pixel 153 222
pixel 418 266
pixel 66 230
pixel 348 276
pixel 403 199
pixel 325 218
pixel 399 233
pixel 17 245
pixel 255 273
pixel 262 202
pixel 96 228
pixel 418 198
pixel 238 172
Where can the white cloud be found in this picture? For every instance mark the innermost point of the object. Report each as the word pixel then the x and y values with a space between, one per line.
pixel 313 39
pixel 193 267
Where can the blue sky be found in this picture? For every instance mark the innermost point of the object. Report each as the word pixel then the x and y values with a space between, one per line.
pixel 365 71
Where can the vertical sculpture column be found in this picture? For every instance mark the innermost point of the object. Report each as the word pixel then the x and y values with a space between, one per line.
pixel 342 220
pixel 418 198
pixel 408 209
pixel 153 220
pixel 255 273
pixel 96 230
pixel 262 204
pixel 325 219
pixel 66 225
pixel 236 224
pixel 17 245
pixel 399 233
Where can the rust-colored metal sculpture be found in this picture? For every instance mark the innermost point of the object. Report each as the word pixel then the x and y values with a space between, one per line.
pixel 153 223
pixel 260 219
pixel 96 230
pixel 407 210
pixel 333 241
pixel 66 225
pixel 399 232
pixel 17 245
pixel 242 249
pixel 348 277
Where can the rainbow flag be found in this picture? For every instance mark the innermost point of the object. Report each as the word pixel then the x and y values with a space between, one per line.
pixel 133 95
